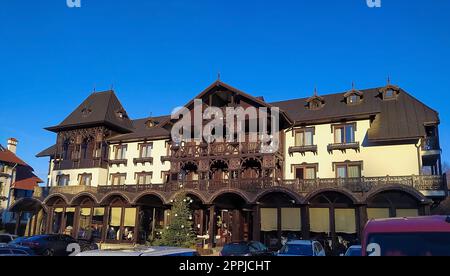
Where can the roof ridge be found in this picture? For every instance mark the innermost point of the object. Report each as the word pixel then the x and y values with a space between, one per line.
pixel 327 95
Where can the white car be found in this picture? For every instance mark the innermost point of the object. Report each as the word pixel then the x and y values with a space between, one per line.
pixel 354 251
pixel 142 252
pixel 302 248
pixel 6 238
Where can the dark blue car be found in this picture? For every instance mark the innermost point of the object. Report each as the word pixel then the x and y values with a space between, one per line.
pixel 12 250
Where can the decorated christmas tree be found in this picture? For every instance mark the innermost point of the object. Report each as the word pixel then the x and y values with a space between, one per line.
pixel 179 232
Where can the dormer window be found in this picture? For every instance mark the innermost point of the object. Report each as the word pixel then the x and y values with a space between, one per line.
pixel 353 99
pixel 353 96
pixel 314 105
pixel 315 102
pixel 122 114
pixel 150 123
pixel 86 111
pixel 390 92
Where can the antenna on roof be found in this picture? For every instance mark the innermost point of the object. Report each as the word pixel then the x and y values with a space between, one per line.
pixel 112 86
pixel 353 85
pixel 389 80
pixel 315 91
pixel 94 89
pixel 218 76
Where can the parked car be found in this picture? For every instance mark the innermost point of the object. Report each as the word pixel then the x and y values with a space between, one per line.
pixel 354 251
pixel 302 248
pixel 17 241
pixel 6 238
pixel 252 248
pixel 57 245
pixel 9 250
pixel 421 236
pixel 142 251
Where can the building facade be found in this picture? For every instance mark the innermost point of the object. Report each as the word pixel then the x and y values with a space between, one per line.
pixel 341 160
pixel 17 182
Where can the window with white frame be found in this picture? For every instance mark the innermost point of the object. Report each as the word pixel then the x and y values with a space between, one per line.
pixel 118 179
pixel 344 134
pixel 120 152
pixel 63 180
pixel 145 150
pixel 85 179
pixel 144 178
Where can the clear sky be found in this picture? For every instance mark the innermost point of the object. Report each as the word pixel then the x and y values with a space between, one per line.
pixel 158 54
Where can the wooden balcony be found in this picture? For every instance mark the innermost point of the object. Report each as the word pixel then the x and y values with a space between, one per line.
pixel 356 185
pixel 302 149
pixel 430 146
pixel 214 149
pixel 80 164
pixel 118 162
pixel 71 190
pixel 143 160
pixel 344 146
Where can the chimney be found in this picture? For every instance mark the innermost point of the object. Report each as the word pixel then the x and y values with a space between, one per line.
pixel 12 145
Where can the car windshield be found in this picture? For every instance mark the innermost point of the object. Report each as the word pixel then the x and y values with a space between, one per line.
pixel 353 252
pixel 297 249
pixel 236 248
pixel 409 244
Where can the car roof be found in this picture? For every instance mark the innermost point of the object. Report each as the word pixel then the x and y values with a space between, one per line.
pixel 138 251
pixel 409 225
pixel 300 242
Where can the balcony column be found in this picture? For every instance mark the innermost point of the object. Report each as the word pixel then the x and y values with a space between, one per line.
pixel 256 221
pixel 361 216
pixel 18 219
pixel 279 225
pixel 305 222
pixel 212 224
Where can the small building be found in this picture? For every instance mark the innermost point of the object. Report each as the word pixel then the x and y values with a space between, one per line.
pixel 17 182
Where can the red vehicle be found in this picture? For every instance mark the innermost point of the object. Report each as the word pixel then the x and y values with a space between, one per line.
pixel 421 236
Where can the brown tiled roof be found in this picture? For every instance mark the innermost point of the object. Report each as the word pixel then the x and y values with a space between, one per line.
pixel 99 108
pixel 27 184
pixel 9 157
pixel 403 118
pixel 51 151
pixel 25 178
pixel 142 131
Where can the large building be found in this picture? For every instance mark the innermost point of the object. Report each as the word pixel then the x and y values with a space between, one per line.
pixel 342 159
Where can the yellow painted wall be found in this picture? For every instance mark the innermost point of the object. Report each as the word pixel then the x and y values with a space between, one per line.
pixel 99 176
pixel 396 160
pixel 159 150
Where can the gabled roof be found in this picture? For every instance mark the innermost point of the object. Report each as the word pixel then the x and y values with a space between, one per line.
pixel 25 178
pixel 220 84
pixel 100 108
pixel 9 157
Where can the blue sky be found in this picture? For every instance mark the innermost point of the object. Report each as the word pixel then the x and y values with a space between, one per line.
pixel 167 51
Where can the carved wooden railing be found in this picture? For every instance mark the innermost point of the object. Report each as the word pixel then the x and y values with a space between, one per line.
pixel 214 149
pixel 71 190
pixel 80 164
pixel 344 146
pixel 356 185
pixel 302 149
